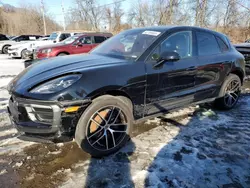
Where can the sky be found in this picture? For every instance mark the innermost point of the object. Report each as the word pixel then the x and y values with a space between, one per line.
pixel 54 6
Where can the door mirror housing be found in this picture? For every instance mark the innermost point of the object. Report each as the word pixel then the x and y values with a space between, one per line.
pixel 166 56
pixel 79 44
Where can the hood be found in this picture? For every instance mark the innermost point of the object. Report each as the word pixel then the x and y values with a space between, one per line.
pixel 54 45
pixel 53 67
pixel 41 43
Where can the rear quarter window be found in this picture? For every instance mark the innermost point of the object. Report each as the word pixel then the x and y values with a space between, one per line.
pixel 207 44
pixel 222 44
pixel 99 39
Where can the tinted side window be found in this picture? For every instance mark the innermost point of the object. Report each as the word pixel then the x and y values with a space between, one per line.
pixel 222 44
pixel 20 38
pixel 63 36
pixel 180 42
pixel 3 37
pixel 99 39
pixel 85 40
pixel 207 44
pixel 67 35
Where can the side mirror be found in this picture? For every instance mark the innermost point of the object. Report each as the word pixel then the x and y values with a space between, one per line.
pixel 166 56
pixel 79 44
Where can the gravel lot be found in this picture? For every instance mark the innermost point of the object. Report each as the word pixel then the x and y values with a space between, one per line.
pixel 192 147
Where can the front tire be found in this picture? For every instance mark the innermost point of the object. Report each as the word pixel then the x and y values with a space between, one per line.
pixel 5 49
pixel 229 93
pixel 104 126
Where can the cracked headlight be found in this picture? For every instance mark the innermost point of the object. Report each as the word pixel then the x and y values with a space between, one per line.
pixel 46 51
pixel 56 85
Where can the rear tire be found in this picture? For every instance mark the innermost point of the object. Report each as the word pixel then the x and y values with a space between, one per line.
pixel 229 93
pixel 5 49
pixel 104 126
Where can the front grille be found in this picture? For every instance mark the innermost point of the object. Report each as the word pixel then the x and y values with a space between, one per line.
pixel 43 114
pixel 21 112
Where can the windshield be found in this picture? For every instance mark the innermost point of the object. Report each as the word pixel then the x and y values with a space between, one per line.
pixel 69 40
pixel 129 44
pixel 53 36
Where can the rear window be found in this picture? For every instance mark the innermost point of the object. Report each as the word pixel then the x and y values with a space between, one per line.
pixel 207 44
pixel 223 46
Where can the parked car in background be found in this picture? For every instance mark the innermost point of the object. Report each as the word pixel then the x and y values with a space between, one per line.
pixel 5 44
pixel 244 49
pixel 55 37
pixel 80 43
pixel 247 41
pixel 3 37
pixel 19 50
pixel 97 97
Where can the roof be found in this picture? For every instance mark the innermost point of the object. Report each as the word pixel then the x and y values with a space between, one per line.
pixel 94 33
pixel 168 27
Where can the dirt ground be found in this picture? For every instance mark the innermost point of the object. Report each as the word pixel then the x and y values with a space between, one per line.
pixel 192 147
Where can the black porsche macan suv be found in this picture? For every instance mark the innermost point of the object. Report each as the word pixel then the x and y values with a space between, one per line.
pixel 133 76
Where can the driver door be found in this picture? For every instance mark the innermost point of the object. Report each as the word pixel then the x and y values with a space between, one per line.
pixel 172 84
pixel 83 45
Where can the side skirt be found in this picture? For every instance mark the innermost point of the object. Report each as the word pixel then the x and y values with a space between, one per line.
pixel 172 110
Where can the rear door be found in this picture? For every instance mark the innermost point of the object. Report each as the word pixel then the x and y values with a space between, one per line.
pixel 173 84
pixel 214 61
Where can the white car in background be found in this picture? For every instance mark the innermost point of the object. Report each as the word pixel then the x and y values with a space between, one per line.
pixel 19 50
pixel 55 37
pixel 24 50
pixel 5 44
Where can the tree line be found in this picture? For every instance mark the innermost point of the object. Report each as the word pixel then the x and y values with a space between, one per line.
pixel 231 17
pixel 25 20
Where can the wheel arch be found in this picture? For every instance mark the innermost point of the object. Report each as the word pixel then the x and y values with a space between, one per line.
pixel 239 73
pixel 6 45
pixel 110 90
pixel 63 52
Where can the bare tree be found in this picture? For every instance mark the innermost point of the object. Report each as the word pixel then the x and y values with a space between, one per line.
pixel 87 11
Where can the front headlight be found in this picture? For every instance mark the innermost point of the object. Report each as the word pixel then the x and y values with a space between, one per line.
pixel 56 85
pixel 46 51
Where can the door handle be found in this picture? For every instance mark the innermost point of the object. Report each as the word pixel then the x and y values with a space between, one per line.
pixel 191 68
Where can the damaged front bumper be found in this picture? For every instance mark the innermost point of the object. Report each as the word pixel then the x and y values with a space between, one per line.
pixel 45 119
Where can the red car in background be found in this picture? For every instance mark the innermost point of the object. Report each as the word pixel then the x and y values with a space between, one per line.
pixel 80 43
